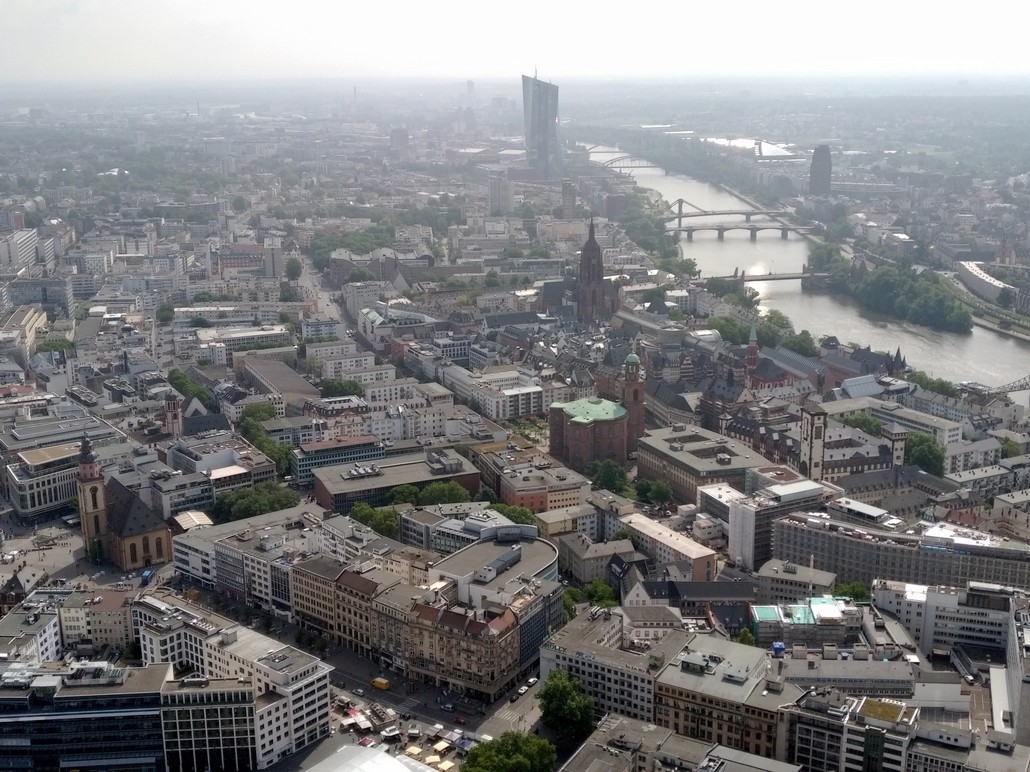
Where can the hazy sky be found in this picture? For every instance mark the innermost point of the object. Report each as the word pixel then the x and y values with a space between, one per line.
pixel 186 40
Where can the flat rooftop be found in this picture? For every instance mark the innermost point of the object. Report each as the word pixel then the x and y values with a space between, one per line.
pixel 537 556
pixel 399 470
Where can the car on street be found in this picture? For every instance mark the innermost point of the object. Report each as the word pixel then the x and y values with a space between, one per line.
pixel 359 692
pixel 523 690
pixel 532 682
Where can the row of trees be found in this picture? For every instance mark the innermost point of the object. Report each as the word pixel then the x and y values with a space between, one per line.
pixel 254 433
pixel 189 388
pixel 248 502
pixel 335 387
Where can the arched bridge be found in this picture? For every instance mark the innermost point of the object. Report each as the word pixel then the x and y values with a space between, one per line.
pixel 721 228
pixel 629 162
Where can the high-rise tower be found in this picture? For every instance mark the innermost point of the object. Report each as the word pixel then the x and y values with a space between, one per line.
pixel 820 173
pixel 540 111
pixel 590 292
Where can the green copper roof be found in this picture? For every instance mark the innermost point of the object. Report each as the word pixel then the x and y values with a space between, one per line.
pixel 593 409
pixel 633 359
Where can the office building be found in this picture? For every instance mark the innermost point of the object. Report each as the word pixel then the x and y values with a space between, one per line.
pixel 540 113
pixel 209 723
pixel 942 619
pixel 688 457
pixel 338 488
pixel 821 171
pixel 292 687
pixel 781 581
pixel 339 451
pixel 619 678
pixel 722 692
pixel 940 554
pixel 89 716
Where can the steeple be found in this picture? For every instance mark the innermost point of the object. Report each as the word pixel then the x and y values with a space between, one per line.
pixel 752 351
pixel 590 290
pixel 89 468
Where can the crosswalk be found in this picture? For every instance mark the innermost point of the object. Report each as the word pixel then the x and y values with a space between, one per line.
pixel 409 705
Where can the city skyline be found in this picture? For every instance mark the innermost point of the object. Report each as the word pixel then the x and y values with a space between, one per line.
pixel 117 41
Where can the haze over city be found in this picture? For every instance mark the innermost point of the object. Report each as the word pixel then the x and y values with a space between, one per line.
pixel 126 41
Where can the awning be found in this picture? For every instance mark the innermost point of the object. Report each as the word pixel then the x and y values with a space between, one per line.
pixel 441 746
pixel 445 766
pixel 434 759
pixel 413 750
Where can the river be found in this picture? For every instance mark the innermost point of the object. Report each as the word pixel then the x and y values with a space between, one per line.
pixel 982 355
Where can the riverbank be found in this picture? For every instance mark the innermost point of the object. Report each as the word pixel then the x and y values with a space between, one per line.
pixel 979 321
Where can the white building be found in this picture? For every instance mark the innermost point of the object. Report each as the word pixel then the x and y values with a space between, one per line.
pixel 295 711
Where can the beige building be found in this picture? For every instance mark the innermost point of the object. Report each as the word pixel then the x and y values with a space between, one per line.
pixel 722 692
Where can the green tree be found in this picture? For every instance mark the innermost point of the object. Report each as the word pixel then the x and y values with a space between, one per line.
pixel 564 707
pixel 443 493
pixel 1010 448
pixel 801 343
pixel 601 594
pixel 855 590
pixel 863 422
pixel 61 344
pixel 335 387
pixel 570 598
pixel 925 452
pixel 200 321
pixel 382 521
pixel 607 475
pixel 260 412
pixel 240 204
pixel 745 637
pixel 661 492
pixel 512 752
pixel 521 515
pixel 293 269
pixel 248 502
pixel 1006 297
pixel 404 494
pixel 491 279
pixel 939 385
pixel 165 313
pixel 186 386
pixel 643 489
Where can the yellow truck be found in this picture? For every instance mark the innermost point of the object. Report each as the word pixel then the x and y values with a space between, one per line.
pixel 381 683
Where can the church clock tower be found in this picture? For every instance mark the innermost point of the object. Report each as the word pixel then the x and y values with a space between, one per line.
pixel 89 484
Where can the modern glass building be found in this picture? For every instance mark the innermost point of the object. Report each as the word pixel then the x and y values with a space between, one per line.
pixel 540 110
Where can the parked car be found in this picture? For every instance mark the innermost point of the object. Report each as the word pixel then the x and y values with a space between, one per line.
pixel 532 682
pixel 359 692
pixel 448 708
pixel 523 690
pixel 514 697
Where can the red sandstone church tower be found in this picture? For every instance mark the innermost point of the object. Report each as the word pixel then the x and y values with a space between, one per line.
pixel 590 292
pixel 633 400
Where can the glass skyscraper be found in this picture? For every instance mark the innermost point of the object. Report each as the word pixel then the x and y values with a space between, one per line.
pixel 540 110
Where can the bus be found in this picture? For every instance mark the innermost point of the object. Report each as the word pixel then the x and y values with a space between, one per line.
pixel 146 576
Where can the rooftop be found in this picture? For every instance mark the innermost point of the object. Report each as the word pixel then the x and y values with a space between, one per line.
pixel 592 409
